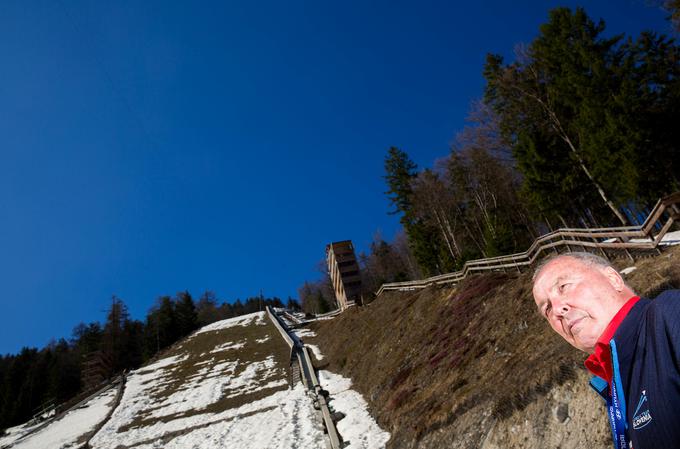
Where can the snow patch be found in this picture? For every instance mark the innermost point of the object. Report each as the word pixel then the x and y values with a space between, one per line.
pixel 228 346
pixel 12 434
pixel 66 431
pixel 671 238
pixel 628 270
pixel 357 428
pixel 243 320
pixel 315 349
pixel 303 332
pixel 163 363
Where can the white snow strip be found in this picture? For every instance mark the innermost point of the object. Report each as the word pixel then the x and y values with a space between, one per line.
pixel 671 238
pixel 243 320
pixel 315 349
pixel 164 363
pixel 304 332
pixel 628 270
pixel 254 388
pixel 358 428
pixel 228 346
pixel 76 423
pixel 262 340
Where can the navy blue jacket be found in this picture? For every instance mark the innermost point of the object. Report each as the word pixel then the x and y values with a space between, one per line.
pixel 647 345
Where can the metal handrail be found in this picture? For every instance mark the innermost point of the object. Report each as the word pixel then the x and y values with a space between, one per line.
pixel 620 235
pixel 309 377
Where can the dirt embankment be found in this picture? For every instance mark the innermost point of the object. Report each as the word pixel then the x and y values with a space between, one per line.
pixel 475 366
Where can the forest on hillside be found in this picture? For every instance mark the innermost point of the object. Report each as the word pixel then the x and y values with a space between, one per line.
pixel 579 130
pixel 97 351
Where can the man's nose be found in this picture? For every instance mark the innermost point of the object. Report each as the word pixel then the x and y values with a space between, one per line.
pixel 560 306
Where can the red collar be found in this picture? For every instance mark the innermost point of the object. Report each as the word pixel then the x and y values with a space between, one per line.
pixel 599 362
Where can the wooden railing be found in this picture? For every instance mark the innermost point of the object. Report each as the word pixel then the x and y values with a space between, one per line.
pixel 644 237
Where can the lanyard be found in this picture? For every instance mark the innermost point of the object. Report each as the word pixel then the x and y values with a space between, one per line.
pixel 616 406
pixel 616 420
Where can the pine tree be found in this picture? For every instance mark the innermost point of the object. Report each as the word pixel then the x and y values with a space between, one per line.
pixel 161 326
pixel 589 118
pixel 113 338
pixel 293 304
pixel 187 318
pixel 400 173
pixel 553 104
pixel 206 309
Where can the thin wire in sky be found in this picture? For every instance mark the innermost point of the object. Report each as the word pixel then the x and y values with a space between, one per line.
pixel 99 63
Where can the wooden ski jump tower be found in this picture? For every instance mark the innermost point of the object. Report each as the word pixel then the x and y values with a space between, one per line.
pixel 344 272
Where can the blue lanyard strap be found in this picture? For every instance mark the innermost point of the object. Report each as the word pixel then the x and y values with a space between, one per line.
pixel 616 404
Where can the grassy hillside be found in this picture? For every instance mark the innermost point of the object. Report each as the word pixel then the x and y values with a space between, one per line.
pixel 474 366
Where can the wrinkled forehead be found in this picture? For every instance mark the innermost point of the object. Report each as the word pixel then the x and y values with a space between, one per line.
pixel 556 270
pixel 561 266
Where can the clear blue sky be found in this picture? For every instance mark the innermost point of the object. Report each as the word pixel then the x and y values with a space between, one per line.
pixel 153 147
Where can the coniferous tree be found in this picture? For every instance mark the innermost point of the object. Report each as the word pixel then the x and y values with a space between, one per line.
pixel 113 338
pixel 400 173
pixel 187 319
pixel 384 264
pixel 238 308
pixel 293 304
pixel 87 338
pixel 652 106
pixel 206 309
pixel 161 325
pixel 63 375
pixel 133 345
pixel 19 387
pixel 579 111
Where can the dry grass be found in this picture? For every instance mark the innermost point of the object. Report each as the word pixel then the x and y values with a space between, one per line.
pixel 654 275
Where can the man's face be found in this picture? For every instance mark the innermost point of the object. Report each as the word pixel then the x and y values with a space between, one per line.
pixel 578 300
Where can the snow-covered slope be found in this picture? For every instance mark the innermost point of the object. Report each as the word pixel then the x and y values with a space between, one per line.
pixel 227 386
pixel 70 431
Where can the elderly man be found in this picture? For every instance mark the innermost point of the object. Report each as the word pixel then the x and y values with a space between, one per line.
pixel 634 345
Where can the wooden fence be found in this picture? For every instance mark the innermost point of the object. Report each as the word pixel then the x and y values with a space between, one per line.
pixel 628 240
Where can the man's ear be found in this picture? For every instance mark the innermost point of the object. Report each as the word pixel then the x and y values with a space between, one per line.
pixel 614 278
